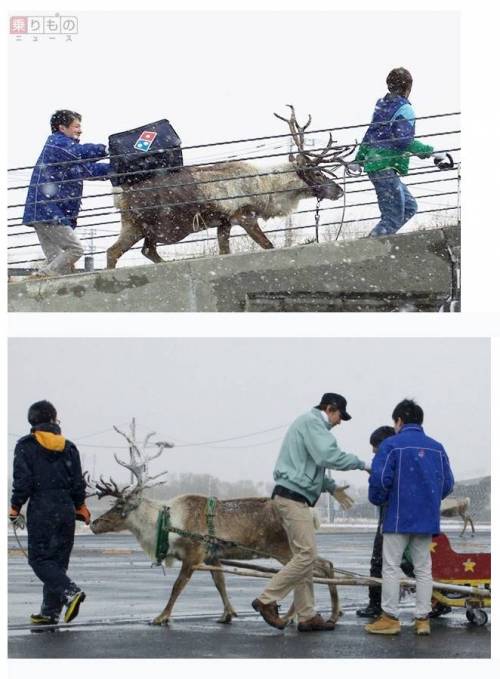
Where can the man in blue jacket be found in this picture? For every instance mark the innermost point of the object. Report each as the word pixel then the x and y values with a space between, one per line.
pixel 55 191
pixel 47 472
pixel 410 475
pixel 308 449
pixel 386 149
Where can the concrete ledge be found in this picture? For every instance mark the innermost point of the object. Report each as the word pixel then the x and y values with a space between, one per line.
pixel 408 271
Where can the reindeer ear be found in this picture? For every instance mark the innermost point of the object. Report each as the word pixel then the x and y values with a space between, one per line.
pixel 291 158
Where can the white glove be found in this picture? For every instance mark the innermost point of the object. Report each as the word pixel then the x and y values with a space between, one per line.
pixel 443 161
pixel 354 168
pixel 344 500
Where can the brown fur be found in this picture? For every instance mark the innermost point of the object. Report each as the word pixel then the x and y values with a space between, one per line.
pixel 252 522
pixel 146 213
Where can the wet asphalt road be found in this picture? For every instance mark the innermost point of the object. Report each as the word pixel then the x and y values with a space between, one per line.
pixel 124 593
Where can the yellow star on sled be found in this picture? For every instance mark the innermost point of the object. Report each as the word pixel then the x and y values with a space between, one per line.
pixel 469 565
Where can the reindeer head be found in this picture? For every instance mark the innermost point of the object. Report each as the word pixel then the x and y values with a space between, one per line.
pixel 310 165
pixel 129 497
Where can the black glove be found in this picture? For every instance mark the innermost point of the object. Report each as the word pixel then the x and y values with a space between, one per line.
pixel 443 161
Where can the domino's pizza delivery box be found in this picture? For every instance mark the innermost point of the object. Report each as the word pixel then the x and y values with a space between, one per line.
pixel 135 155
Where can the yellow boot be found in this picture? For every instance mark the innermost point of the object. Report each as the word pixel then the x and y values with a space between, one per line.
pixel 384 624
pixel 422 626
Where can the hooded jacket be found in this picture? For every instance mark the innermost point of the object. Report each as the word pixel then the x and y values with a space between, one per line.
pixel 410 474
pixel 47 470
pixel 308 449
pixel 56 184
pixel 390 139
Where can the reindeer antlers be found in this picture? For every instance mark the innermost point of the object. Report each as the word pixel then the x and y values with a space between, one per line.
pixel 296 130
pixel 103 488
pixel 139 461
pixel 326 155
pixel 138 466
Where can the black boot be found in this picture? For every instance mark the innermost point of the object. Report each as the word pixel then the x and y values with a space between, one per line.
pixel 369 611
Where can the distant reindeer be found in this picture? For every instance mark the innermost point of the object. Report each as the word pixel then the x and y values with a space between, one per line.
pixel 458 506
pixel 250 522
pixel 171 205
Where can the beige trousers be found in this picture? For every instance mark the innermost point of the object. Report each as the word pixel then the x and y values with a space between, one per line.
pixel 61 247
pixel 298 573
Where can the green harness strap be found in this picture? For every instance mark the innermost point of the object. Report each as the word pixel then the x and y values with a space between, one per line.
pixel 210 514
pixel 164 527
pixel 162 531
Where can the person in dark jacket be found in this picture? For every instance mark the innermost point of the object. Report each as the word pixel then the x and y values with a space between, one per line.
pixel 47 472
pixel 374 607
pixel 386 149
pixel 55 191
pixel 410 476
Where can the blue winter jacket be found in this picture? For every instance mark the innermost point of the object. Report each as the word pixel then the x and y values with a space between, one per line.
pixel 410 474
pixel 56 185
pixel 390 140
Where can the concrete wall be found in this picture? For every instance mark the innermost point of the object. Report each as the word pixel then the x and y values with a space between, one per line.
pixel 403 272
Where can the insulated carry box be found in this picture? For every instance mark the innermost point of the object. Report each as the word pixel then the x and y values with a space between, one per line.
pixel 135 155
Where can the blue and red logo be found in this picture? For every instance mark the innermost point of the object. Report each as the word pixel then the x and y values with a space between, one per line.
pixel 145 140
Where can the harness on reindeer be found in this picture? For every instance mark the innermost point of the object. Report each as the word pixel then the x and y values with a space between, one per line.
pixel 164 528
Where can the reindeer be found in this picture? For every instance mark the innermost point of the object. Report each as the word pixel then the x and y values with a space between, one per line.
pixel 458 506
pixel 252 523
pixel 169 206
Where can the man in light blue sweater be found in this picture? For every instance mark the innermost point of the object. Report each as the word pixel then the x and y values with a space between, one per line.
pixel 309 448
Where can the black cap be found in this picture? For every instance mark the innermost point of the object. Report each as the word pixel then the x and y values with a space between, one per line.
pixel 338 402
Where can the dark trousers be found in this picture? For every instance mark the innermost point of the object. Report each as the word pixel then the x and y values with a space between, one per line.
pixel 50 542
pixel 375 593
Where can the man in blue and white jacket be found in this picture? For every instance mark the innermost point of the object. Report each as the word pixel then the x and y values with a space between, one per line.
pixel 55 191
pixel 410 476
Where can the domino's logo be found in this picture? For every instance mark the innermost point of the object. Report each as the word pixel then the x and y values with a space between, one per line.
pixel 145 140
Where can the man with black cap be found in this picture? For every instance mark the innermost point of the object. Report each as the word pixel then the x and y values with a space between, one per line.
pixel 307 450
pixel 48 473
pixel 385 153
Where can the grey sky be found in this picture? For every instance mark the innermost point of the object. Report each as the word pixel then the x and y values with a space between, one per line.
pixel 202 390
pixel 220 76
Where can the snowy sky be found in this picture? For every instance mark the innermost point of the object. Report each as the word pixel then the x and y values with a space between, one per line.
pixel 205 390
pixel 220 75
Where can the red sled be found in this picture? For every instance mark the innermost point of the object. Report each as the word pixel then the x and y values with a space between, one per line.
pixel 470 569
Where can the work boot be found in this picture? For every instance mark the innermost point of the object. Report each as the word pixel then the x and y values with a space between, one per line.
pixel 73 605
pixel 422 626
pixel 316 624
pixel 369 611
pixel 39 619
pixel 384 624
pixel 270 613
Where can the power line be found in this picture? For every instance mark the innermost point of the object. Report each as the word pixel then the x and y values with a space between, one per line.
pixel 162 170
pixel 236 141
pixel 431 170
pixel 335 207
pixel 297 228
pixel 197 202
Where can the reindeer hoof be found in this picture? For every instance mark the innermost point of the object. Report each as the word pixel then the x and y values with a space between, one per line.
pixel 225 619
pixel 159 621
